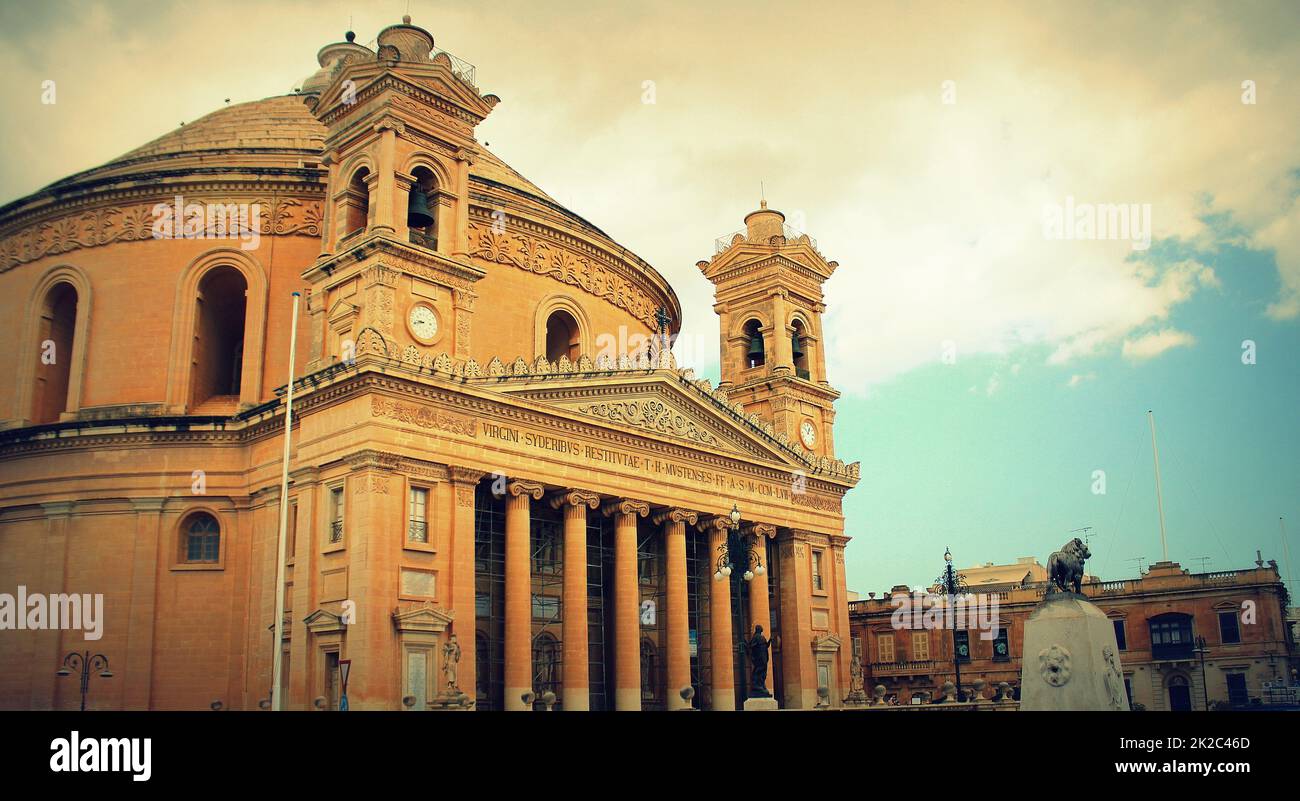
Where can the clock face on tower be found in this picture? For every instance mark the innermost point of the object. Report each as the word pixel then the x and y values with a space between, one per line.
pixel 423 322
pixel 808 434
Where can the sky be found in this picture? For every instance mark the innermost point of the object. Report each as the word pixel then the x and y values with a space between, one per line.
pixel 996 359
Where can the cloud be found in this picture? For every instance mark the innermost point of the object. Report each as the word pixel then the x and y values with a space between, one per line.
pixel 1077 379
pixel 1152 345
pixel 933 210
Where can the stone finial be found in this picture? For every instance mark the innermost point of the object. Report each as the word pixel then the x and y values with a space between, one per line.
pixel 979 686
pixel 948 692
pixel 1004 692
pixel 878 693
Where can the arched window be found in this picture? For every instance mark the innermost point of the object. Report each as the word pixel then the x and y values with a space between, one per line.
pixel 218 354
pixel 799 351
pixel 755 353
pixel 200 538
pixel 649 665
pixel 562 337
pixel 357 202
pixel 58 323
pixel 422 209
pixel 546 665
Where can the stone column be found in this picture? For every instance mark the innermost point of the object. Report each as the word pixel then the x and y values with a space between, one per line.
pixel 47 651
pixel 840 610
pixel 519 590
pixel 627 605
pixel 464 481
pixel 458 238
pixel 679 640
pixel 720 643
pixel 576 696
pixel 760 613
pixel 798 671
pixel 137 670
pixel 386 180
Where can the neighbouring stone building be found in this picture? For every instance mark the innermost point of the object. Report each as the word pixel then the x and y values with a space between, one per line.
pixel 1158 618
pixel 501 482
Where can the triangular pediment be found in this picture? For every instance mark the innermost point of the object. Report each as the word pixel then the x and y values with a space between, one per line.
pixel 425 618
pixel 654 404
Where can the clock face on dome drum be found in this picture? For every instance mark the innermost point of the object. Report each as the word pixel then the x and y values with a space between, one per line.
pixel 423 322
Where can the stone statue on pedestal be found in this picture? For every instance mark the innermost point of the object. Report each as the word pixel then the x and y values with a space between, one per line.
pixel 1065 567
pixel 450 658
pixel 758 646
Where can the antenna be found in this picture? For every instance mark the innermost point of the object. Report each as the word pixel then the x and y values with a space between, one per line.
pixel 1085 530
pixel 1139 560
pixel 1202 560
pixel 1160 503
pixel 1286 553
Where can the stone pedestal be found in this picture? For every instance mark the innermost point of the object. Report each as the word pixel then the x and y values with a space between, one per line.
pixel 1071 659
pixel 761 705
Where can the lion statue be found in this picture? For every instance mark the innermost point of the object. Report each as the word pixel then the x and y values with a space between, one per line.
pixel 1065 567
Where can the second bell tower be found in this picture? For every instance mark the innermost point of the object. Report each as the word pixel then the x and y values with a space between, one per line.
pixel 768 293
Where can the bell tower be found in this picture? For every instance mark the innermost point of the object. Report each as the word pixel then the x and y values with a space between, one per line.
pixel 394 261
pixel 768 293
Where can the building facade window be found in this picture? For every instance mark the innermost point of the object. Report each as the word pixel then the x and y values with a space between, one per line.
pixel 1001 647
pixel 417 524
pixel 1237 694
pixel 1171 636
pixel 885 648
pixel 817 571
pixel 921 646
pixel 546 607
pixel 1229 630
pixel 357 203
pixel 336 501
pixel 1121 638
pixel 961 645
pixel 202 538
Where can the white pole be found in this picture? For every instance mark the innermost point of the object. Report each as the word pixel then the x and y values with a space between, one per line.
pixel 1286 554
pixel 1160 503
pixel 277 692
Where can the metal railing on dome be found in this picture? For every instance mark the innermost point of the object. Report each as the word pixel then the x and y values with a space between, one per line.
pixel 790 232
pixel 462 69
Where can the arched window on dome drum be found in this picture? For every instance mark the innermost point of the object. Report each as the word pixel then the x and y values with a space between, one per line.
pixel 357 203
pixel 422 209
pixel 58 323
pixel 218 354
pixel 562 337
pixel 202 538
pixel 799 351
pixel 755 352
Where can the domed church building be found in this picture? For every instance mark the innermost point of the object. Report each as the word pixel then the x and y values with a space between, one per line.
pixel 503 491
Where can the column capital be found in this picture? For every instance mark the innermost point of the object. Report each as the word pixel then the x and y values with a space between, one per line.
pixel 370 459
pixel 522 487
pixel 676 515
pixel 626 506
pixel 760 530
pixel 715 523
pixel 57 509
pixel 148 505
pixel 464 475
pixel 839 540
pixel 574 497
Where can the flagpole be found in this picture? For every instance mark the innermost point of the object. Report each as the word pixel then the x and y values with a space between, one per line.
pixel 277 692
pixel 1160 502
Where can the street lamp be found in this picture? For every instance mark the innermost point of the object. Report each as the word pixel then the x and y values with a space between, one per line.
pixel 84 663
pixel 1202 649
pixel 739 545
pixel 952 583
pixel 737 552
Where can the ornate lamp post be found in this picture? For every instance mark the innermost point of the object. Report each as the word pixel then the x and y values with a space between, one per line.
pixel 738 553
pixel 952 583
pixel 1202 649
pixel 84 663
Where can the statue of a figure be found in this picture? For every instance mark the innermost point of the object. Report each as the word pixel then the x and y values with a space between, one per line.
pixel 758 646
pixel 856 682
pixel 1065 567
pixel 450 656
